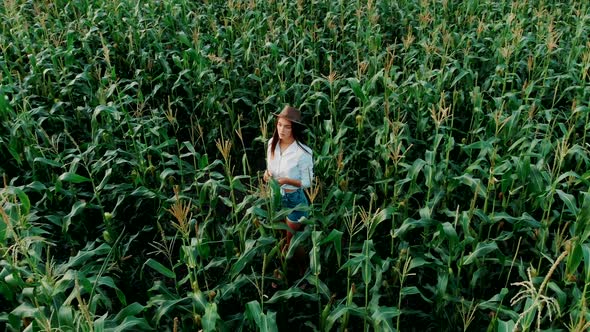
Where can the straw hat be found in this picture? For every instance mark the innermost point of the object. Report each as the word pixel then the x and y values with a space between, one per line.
pixel 290 113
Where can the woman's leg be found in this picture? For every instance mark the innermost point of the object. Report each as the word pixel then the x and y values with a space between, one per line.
pixel 294 226
pixel 299 254
pixel 292 201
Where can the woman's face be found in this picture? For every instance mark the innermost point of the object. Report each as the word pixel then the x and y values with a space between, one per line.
pixel 284 129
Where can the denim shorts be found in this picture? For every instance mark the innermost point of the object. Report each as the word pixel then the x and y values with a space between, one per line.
pixel 291 200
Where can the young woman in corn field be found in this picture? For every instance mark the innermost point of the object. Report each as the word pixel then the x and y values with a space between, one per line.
pixel 290 162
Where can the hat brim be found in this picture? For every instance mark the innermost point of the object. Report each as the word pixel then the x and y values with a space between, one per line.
pixel 278 115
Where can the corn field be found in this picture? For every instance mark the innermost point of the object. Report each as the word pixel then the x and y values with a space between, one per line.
pixel 450 149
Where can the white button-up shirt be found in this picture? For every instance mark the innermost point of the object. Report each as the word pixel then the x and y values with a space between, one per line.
pixel 294 162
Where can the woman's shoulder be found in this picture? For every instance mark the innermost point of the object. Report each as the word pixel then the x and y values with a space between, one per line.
pixel 304 148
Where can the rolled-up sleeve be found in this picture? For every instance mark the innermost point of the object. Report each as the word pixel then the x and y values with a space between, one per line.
pixel 306 168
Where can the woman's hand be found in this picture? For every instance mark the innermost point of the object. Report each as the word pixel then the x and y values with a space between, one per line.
pixel 282 180
pixel 289 181
pixel 267 176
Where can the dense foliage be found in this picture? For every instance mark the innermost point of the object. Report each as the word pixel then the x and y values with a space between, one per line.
pixel 450 148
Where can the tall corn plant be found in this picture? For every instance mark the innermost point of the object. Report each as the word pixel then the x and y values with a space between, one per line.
pixel 45 294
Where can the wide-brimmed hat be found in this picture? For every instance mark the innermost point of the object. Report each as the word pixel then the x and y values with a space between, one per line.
pixel 290 113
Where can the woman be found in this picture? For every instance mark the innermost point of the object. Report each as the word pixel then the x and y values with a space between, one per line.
pixel 290 162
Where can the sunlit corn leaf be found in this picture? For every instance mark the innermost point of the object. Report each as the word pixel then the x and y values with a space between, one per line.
pixel 314 255
pixel 189 256
pixel 145 193
pixel 165 174
pixel 275 191
pixel 226 291
pixel 418 262
pixel 558 293
pixel 258 211
pixel 474 183
pixel 210 318
pixel 83 256
pixel 36 186
pixel 355 86
pixel 250 251
pixel 293 292
pixel 506 326
pixel 482 249
pixel 582 224
pixel 382 318
pixel 199 301
pixel 528 221
pixel 25 310
pixel 495 300
pixel 73 178
pixel 574 259
pixel 62 285
pixel 130 323
pixel 378 218
pixel 570 176
pixel 342 309
pixel 451 234
pixel 131 310
pixel 65 316
pixel 163 306
pixel 25 203
pixel 226 201
pixel 536 183
pixel 484 217
pixel 335 237
pixel 367 265
pixel 14 151
pixel 202 246
pixel 569 201
pixel 376 289
pixel 99 323
pixel 412 290
pixel 586 252
pixel 49 162
pixel 297 241
pixel 105 179
pixel 416 168
pixel 77 208
pixel 263 321
pixel 237 184
pixel 158 267
pixel 321 287
pixel 3 236
pixel 410 224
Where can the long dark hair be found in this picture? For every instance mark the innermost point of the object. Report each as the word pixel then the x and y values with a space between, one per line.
pixel 298 134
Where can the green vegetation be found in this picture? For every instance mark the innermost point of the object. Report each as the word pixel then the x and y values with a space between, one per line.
pixel 450 142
